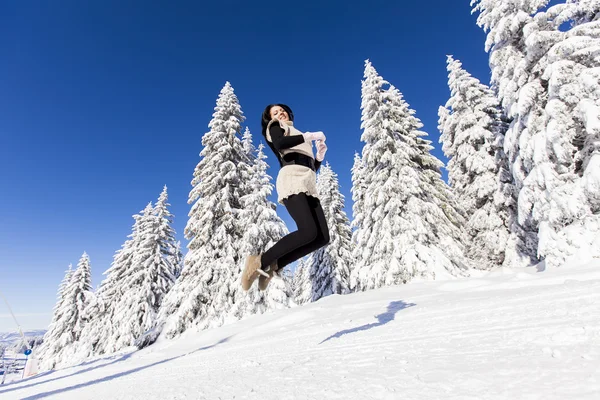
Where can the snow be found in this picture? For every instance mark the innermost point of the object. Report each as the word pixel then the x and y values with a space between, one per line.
pixel 14 338
pixel 520 333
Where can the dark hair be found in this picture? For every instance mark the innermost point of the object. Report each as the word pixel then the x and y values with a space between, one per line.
pixel 266 118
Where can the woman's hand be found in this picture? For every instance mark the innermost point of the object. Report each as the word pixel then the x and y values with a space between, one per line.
pixel 312 136
pixel 321 150
pixel 284 126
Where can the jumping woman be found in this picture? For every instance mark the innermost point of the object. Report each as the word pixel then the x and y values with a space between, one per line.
pixel 296 189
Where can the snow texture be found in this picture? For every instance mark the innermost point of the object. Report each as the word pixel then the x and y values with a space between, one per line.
pixel 521 333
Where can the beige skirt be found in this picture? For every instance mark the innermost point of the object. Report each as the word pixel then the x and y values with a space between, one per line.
pixel 294 179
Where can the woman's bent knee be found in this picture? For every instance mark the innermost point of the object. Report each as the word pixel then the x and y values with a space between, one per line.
pixel 309 233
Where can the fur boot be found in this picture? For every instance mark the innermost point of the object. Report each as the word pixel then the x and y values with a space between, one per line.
pixel 251 271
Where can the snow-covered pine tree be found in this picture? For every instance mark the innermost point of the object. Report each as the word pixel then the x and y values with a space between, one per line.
pixel 566 153
pixel 521 94
pixel 148 280
pixel 301 283
pixel 357 191
pixel 412 226
pixel 247 144
pixel 67 331
pixel 50 345
pixel 207 286
pixel 178 263
pixel 97 337
pixel 581 12
pixel 263 228
pixel 329 267
pixel 544 142
pixel 170 247
pixel 471 129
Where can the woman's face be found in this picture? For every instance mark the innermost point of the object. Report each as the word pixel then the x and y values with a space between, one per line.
pixel 279 113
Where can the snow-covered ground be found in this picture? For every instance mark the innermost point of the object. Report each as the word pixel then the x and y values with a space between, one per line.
pixel 508 334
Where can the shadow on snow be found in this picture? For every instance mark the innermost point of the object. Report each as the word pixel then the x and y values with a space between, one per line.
pixel 382 319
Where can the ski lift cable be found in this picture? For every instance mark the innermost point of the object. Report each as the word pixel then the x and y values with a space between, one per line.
pixel 16 322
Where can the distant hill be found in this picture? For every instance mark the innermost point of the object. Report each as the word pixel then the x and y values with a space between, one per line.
pixel 12 340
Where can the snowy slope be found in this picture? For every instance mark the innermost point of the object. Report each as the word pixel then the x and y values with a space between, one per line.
pixel 509 334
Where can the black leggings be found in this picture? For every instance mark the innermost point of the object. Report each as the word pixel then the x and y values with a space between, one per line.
pixel 312 232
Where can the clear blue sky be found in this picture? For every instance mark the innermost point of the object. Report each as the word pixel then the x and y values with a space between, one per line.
pixel 104 102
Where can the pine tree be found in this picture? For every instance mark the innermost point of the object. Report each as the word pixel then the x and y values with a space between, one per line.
pixel 566 162
pixel 329 267
pixel 147 281
pixel 411 226
pixel 471 131
pixel 208 284
pixel 263 228
pixel 517 39
pixel 247 144
pixel 301 283
pixel 170 249
pixel 67 331
pixel 50 344
pixel 358 209
pixel 546 141
pixel 178 260
pixel 98 336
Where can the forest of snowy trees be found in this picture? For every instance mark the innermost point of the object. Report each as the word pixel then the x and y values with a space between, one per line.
pixel 523 188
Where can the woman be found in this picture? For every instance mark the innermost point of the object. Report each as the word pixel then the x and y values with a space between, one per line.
pixel 296 189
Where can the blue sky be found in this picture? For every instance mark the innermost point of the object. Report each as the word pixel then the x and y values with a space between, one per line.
pixel 104 102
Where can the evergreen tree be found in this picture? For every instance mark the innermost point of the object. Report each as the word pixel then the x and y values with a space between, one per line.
pixel 522 97
pixel 562 190
pixel 178 260
pixel 329 267
pixel 263 228
pixel 471 131
pixel 301 283
pixel 549 143
pixel 50 344
pixel 411 225
pixel 208 284
pixel 148 280
pixel 67 330
pixel 170 249
pixel 99 335
pixel 357 191
pixel 247 144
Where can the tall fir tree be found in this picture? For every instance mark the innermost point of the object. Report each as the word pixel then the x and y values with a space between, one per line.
pixel 207 286
pixel 301 284
pixel 567 151
pixel 247 144
pixel 357 191
pixel 178 259
pixel 329 267
pixel 67 331
pixel 141 274
pixel 50 345
pixel 472 130
pixel 170 248
pixel 149 279
pixel 97 338
pixel 411 225
pixel 552 102
pixel 521 95
pixel 263 228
